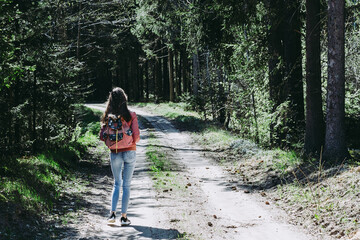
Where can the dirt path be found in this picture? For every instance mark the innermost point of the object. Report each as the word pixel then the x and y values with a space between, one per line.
pixel 209 206
pixel 91 223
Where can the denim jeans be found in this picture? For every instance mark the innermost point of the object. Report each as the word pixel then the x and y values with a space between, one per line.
pixel 117 161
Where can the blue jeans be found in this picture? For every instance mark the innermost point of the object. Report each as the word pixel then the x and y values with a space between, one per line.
pixel 117 160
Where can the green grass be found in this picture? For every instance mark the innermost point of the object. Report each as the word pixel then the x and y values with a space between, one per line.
pixel 170 110
pixel 87 129
pixel 34 184
pixel 284 161
pixel 161 167
pixel 180 113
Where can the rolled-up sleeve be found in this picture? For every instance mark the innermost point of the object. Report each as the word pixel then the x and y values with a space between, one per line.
pixel 135 128
pixel 101 133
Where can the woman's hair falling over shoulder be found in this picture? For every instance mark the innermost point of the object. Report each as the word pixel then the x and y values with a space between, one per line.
pixel 117 105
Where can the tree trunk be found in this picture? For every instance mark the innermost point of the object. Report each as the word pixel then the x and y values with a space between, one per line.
pixel 34 106
pixel 171 74
pixel 255 118
pixel 165 82
pixel 195 74
pixel 183 70
pixel 136 78
pixel 275 50
pixel 335 149
pixel 294 124
pixel 78 33
pixel 315 126
pixel 158 71
pixel 141 81
pixel 221 95
pixel 147 79
pixel 127 73
pixel 178 74
pixel 228 110
pixel 158 78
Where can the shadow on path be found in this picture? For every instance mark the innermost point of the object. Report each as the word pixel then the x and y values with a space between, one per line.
pixel 148 232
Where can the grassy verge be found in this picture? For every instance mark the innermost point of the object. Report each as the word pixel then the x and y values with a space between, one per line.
pixel 165 175
pixel 31 187
pixel 161 167
pixel 325 200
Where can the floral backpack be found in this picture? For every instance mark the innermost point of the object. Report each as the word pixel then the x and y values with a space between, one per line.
pixel 117 133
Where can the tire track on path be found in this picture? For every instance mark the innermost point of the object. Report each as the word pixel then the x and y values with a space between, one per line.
pixel 221 213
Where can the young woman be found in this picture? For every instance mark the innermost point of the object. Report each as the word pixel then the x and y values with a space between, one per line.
pixel 122 160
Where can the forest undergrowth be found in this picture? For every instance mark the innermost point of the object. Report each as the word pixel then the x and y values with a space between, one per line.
pixel 40 194
pixel 322 198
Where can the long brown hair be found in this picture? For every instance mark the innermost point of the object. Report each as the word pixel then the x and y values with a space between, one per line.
pixel 117 105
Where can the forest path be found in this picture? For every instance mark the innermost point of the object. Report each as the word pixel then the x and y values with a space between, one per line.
pixel 143 205
pixel 206 205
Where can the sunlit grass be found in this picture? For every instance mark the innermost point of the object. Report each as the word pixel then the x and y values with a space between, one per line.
pixel 283 161
pixel 170 110
pixel 33 182
pixel 88 139
pixel 215 138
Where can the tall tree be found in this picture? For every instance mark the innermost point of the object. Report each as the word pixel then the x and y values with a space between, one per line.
pixel 294 124
pixel 315 126
pixel 171 74
pixel 275 57
pixel 285 72
pixel 335 143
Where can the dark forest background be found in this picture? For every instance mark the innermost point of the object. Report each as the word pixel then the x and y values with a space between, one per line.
pixel 283 73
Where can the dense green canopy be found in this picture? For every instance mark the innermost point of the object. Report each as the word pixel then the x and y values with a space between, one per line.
pixel 241 64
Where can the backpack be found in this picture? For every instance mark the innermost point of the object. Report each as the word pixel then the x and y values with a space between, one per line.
pixel 117 133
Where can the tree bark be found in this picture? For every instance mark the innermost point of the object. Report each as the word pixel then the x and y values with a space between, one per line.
pixel 195 74
pixel 78 33
pixel 141 81
pixel 126 74
pixel 315 125
pixel 34 106
pixel 275 50
pixel 184 70
pixel 171 74
pixel 293 73
pixel 147 79
pixel 165 82
pixel 221 95
pixel 178 74
pixel 158 82
pixel 335 149
pixel 255 118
